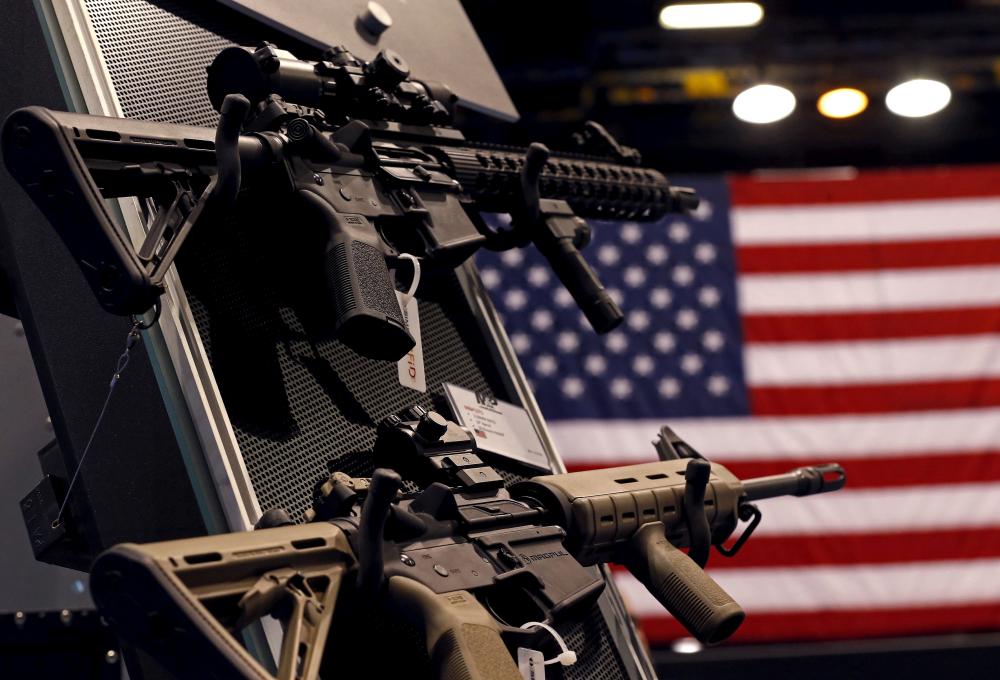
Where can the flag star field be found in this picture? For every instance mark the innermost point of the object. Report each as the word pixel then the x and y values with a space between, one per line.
pixel 793 320
pixel 678 353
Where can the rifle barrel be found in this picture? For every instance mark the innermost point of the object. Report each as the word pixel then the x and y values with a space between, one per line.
pixel 803 481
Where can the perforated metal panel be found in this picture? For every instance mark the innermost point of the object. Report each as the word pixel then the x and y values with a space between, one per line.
pixel 301 404
pixel 157 58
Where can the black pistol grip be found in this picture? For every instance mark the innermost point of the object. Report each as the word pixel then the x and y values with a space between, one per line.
pixel 368 317
pixel 689 594
pixel 463 640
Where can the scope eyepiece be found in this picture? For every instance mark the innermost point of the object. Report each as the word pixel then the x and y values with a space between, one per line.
pixel 235 71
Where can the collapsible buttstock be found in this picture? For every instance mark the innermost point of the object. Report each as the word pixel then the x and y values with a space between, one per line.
pixel 182 601
pixel 42 155
pixel 69 163
pixel 463 640
pixel 689 594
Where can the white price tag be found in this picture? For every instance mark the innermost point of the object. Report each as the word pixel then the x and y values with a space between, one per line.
pixel 499 426
pixel 531 663
pixel 411 367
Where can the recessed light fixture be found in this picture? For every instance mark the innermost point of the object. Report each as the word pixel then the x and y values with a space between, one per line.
pixel 918 98
pixel 764 104
pixel 711 15
pixel 843 102
pixel 686 646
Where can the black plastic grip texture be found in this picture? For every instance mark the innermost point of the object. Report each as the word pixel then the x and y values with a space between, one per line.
pixel 368 318
pixel 708 612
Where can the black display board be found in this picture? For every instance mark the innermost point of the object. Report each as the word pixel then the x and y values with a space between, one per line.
pixel 300 404
pixel 434 36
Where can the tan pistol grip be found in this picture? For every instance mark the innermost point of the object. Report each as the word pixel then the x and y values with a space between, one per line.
pixel 680 585
pixel 463 640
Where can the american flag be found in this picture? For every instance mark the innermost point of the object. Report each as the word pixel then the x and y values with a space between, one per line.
pixel 798 319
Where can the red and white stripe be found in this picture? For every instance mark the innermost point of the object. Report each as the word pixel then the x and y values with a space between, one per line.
pixel 871 322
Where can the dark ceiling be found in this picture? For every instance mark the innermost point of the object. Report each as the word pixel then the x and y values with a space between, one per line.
pixel 670 92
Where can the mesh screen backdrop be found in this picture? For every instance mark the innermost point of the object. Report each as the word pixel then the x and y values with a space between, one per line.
pixel 301 404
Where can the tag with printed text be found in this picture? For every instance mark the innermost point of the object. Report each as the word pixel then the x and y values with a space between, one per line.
pixel 411 366
pixel 531 663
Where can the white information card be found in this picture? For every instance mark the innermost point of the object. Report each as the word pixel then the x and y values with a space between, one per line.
pixel 500 427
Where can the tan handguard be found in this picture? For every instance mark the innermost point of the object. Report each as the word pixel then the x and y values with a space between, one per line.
pixel 181 601
pixel 463 639
pixel 629 514
pixel 641 515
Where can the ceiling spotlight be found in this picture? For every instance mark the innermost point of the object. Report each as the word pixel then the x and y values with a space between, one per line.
pixel 763 104
pixel 918 98
pixel 711 15
pixel 843 102
pixel 686 646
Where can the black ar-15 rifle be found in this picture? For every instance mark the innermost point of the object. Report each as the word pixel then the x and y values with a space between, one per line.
pixel 465 561
pixel 354 149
